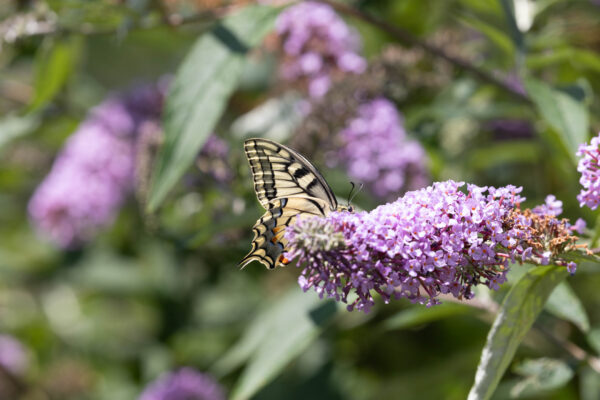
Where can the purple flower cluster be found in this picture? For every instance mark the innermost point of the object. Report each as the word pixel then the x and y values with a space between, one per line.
pixel 185 384
pixel 12 355
pixel 318 44
pixel 94 172
pixel 377 152
pixel 432 241
pixel 589 168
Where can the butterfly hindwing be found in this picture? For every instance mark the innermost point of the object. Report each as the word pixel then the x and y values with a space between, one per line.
pixel 286 185
pixel 269 242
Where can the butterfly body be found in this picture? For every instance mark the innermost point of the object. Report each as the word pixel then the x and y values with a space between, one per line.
pixel 287 185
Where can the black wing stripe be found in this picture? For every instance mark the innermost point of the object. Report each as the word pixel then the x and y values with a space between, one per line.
pixel 266 157
pixel 287 185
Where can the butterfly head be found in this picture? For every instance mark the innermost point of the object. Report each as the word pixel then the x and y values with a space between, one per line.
pixel 351 196
pixel 347 208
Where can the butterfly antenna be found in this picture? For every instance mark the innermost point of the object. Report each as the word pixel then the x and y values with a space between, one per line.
pixel 355 193
pixel 352 193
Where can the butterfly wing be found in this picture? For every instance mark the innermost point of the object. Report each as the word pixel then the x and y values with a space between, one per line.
pixel 287 185
pixel 269 243
pixel 279 172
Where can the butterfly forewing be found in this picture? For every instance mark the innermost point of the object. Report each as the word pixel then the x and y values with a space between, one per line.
pixel 279 171
pixel 286 185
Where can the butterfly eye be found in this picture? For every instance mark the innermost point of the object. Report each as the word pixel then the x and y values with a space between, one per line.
pixel 350 209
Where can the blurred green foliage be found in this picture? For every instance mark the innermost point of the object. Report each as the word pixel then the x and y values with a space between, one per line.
pixel 157 291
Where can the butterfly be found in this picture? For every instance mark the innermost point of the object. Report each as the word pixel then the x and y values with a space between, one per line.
pixel 287 185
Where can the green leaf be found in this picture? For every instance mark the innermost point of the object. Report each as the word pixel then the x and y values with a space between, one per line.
pixel 568 117
pixel 200 90
pixel 497 36
pixel 280 334
pixel 541 375
pixel 589 383
pixel 593 338
pixel 580 256
pixel 518 312
pixel 55 62
pixel 275 119
pixel 580 59
pixel 564 303
pixel 13 126
pixel 596 234
pixel 420 315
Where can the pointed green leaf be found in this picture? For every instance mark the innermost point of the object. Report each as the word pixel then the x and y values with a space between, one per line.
pixel 540 376
pixel 281 334
pixel 200 90
pixel 518 312
pixel 589 383
pixel 12 126
pixel 564 303
pixel 55 63
pixel 568 117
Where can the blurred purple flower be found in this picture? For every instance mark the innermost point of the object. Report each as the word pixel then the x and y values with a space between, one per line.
pixel 579 226
pixel 377 152
pixel 512 80
pixel 94 172
pixel 505 129
pixel 212 159
pixel 317 44
pixel 432 241
pixel 590 173
pixel 13 356
pixel 552 207
pixel 185 384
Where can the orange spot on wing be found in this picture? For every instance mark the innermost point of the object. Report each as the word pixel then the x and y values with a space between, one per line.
pixel 283 260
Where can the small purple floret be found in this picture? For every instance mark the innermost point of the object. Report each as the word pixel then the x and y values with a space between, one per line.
pixel 551 207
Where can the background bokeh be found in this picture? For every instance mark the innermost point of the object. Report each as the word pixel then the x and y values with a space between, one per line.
pixel 100 297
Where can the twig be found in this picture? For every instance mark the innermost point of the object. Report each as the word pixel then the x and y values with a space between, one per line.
pixel 572 349
pixel 170 20
pixel 408 38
